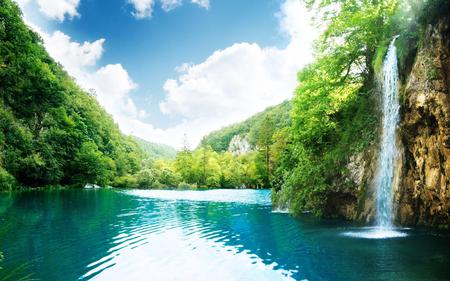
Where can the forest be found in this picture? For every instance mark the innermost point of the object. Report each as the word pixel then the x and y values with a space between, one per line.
pixel 53 133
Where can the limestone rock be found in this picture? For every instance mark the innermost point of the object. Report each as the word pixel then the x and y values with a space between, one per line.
pixel 423 193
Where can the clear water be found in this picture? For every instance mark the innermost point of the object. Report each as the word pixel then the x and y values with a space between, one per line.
pixel 388 153
pixel 198 235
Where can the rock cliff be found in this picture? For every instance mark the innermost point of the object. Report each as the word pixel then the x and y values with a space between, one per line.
pixel 422 195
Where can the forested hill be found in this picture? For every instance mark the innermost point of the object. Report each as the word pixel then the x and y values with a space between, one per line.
pixel 219 140
pixel 156 150
pixel 51 131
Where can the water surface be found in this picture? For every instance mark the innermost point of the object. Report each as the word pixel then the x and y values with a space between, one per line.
pixel 198 235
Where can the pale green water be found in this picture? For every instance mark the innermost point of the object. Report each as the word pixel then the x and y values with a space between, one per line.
pixel 198 235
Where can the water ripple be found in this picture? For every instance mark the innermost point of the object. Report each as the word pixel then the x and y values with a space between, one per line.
pixel 178 242
pixel 114 235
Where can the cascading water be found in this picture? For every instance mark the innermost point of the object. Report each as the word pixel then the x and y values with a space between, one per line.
pixel 386 166
pixel 385 173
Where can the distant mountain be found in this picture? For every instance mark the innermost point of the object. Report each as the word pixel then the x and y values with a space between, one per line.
pixel 219 140
pixel 156 150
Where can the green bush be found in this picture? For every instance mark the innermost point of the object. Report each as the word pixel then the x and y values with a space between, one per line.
pixel 7 181
pixel 125 181
pixel 146 178
pixel 183 185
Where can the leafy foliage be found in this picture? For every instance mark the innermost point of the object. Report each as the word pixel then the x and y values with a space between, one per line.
pixel 206 168
pixel 51 131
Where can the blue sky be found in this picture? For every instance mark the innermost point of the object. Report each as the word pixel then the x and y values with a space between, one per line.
pixel 165 68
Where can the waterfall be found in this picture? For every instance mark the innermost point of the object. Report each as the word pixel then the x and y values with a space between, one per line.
pixel 388 152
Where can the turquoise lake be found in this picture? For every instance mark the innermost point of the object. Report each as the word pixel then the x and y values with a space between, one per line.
pixel 107 234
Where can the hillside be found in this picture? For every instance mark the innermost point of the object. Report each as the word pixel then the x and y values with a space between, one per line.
pixel 156 150
pixel 219 140
pixel 51 131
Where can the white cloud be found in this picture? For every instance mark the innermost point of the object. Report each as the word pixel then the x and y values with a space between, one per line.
pixel 73 55
pixel 54 9
pixel 143 8
pixel 232 82
pixel 168 5
pixel 57 9
pixel 183 67
pixel 22 3
pixel 202 3
pixel 113 85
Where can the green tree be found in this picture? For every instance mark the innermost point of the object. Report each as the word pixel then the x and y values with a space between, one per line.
pixel 263 137
pixel 183 166
pixel 91 166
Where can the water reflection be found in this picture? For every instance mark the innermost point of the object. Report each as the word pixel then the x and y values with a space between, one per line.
pixel 196 236
pixel 172 235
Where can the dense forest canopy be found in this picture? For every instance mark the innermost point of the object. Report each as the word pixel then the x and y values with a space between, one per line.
pixel 51 131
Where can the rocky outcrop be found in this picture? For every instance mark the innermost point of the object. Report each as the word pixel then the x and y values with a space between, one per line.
pixel 352 196
pixel 422 195
pixel 239 145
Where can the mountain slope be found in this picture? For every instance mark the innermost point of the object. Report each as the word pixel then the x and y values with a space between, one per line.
pixel 51 131
pixel 156 150
pixel 219 140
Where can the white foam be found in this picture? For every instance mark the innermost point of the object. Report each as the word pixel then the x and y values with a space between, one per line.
pixel 375 233
pixel 246 196
pixel 280 211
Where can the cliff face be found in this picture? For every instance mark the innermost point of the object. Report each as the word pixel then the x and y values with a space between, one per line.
pixel 353 196
pixel 422 181
pixel 422 195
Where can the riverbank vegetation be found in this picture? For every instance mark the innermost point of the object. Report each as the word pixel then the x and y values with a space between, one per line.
pixel 52 132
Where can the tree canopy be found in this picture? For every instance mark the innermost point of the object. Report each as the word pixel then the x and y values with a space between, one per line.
pixel 52 132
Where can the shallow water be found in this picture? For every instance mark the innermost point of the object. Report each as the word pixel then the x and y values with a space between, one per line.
pixel 199 235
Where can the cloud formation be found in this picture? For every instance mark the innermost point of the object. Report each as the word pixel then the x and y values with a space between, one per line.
pixel 144 8
pixel 58 9
pixel 54 9
pixel 168 5
pixel 201 3
pixel 73 55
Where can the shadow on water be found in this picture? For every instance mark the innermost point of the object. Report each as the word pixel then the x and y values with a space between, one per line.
pixel 56 232
pixel 110 235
